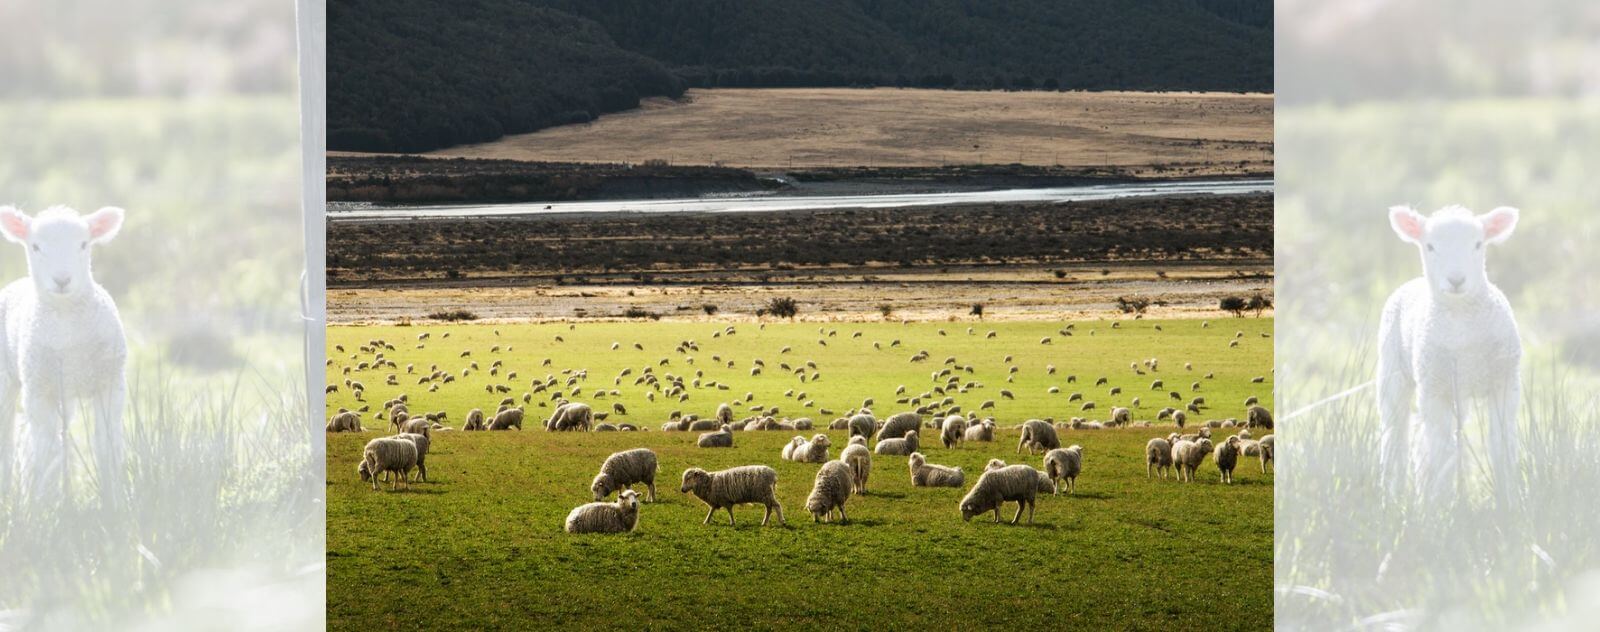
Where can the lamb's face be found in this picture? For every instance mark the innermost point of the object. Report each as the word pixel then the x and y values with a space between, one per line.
pixel 628 500
pixel 57 243
pixel 1452 242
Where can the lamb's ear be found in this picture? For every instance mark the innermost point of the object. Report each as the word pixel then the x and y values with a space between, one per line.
pixel 104 224
pixel 1498 224
pixel 15 224
pixel 1407 223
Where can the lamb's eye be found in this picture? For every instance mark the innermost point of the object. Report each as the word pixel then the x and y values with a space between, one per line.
pixel 36 247
pixel 83 246
pixel 1430 247
pixel 1479 246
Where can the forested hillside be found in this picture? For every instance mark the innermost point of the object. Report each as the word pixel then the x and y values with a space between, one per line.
pixel 412 75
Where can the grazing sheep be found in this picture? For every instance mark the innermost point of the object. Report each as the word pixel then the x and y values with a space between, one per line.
pixel 1063 465
pixel 344 421
pixel 722 438
pixel 1258 417
pixel 621 516
pixel 953 430
pixel 1157 457
pixel 474 420
pixel 746 484
pixel 899 424
pixel 63 342
pixel 724 414
pixel 700 425
pixel 418 426
pixel 829 491
pixel 925 474
pixel 422 442
pixel 902 446
pixel 1121 416
pixel 1266 449
pixel 507 419
pixel 863 425
pixel 388 454
pixel 1227 456
pixel 859 458
pixel 1448 340
pixel 622 470
pixel 1187 456
pixel 571 416
pixel 980 431
pixel 1037 435
pixel 1013 483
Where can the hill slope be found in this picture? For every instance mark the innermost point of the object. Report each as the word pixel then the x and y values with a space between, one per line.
pixel 412 75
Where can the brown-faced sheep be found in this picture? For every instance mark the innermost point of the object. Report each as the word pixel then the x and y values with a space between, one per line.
pixel 1227 456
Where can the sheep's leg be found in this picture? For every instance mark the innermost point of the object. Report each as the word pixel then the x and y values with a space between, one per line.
pixel 730 517
pixel 778 508
pixel 1018 516
pixel 46 470
pixel 1394 411
pixel 842 517
pixel 108 444
pixel 709 514
pixel 1437 459
pixel 652 486
pixel 1031 506
pixel 1504 443
pixel 8 424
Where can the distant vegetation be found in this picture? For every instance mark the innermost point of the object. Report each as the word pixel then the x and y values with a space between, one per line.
pixel 413 75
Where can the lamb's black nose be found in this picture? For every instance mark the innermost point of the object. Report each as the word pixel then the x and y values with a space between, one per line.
pixel 62 282
pixel 1456 281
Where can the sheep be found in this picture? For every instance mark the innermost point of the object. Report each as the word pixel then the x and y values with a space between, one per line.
pixel 953 430
pixel 1063 465
pixel 902 446
pixel 724 414
pixel 571 416
pixel 344 421
pixel 793 444
pixel 1258 417
pixel 1013 483
pixel 388 454
pixel 700 425
pixel 63 343
pixel 1227 456
pixel 813 451
pixel 1265 445
pixel 1187 456
pixel 925 474
pixel 621 516
pixel 622 470
pixel 981 431
pixel 863 425
pixel 507 419
pixel 1121 416
pixel 722 438
pixel 422 442
pixel 746 484
pixel 859 458
pixel 829 491
pixel 1157 457
pixel 1449 339
pixel 1037 435
pixel 899 424
pixel 474 420
pixel 418 426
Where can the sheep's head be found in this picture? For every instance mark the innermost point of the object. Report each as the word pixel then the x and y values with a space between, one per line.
pixel 692 478
pixel 994 464
pixel 57 243
pixel 1452 243
pixel 601 486
pixel 628 500
pixel 916 460
pixel 364 471
pixel 821 440
pixel 970 507
pixel 1076 448
pixel 858 440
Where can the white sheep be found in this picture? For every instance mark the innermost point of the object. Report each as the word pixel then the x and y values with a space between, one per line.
pixel 507 419
pixel 722 438
pixel 1063 465
pixel 388 454
pixel 1449 339
pixel 746 484
pixel 813 451
pixel 829 491
pixel 859 458
pixel 980 431
pixel 1038 434
pixel 1227 456
pixel 1157 457
pixel 343 421
pixel 1013 483
pixel 952 430
pixel 474 420
pixel 622 470
pixel 63 343
pixel 1265 447
pixel 1187 456
pixel 621 516
pixel 899 424
pixel 863 425
pixel 925 474
pixel 902 446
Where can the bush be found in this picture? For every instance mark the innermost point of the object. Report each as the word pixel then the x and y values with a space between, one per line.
pixel 783 307
pixel 453 315
pixel 1133 305
pixel 977 310
pixel 1234 304
pixel 639 312
pixel 709 309
pixel 886 309
pixel 1259 303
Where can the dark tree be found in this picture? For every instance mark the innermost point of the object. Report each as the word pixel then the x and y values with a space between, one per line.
pixel 1235 304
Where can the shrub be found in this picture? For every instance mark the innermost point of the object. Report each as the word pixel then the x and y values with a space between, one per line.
pixel 709 309
pixel 977 310
pixel 783 307
pixel 453 315
pixel 1234 304
pixel 639 312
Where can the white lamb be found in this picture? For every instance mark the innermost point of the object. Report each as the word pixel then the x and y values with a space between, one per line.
pixel 1450 340
pixel 63 342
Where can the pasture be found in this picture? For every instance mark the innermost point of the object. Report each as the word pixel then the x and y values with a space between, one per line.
pixel 480 545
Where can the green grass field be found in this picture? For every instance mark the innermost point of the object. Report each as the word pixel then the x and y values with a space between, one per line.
pixel 481 546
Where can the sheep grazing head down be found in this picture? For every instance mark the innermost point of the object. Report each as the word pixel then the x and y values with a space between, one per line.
pixel 1452 242
pixel 57 243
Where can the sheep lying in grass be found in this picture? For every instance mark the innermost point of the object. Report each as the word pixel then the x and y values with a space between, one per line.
pixel 1187 456
pixel 1013 483
pixel 1157 457
pixel 344 421
pixel 388 454
pixel 829 491
pixel 1266 448
pixel 1038 434
pixel 789 448
pixel 980 431
pixel 1063 465
pixel 622 470
pixel 621 516
pixel 900 424
pixel 925 474
pixel 63 342
pixel 902 446
pixel 746 484
pixel 859 458
pixel 813 451
pixel 1227 456
pixel 507 419
pixel 954 428
pixel 722 438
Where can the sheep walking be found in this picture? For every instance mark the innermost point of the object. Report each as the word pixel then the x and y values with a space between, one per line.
pixel 1013 483
pixel 925 474
pixel 746 484
pixel 1157 457
pixel 622 470
pixel 859 458
pixel 1227 457
pixel 388 454
pixel 1063 466
pixel 1449 340
pixel 621 516
pixel 902 446
pixel 829 491
pixel 1187 456
pixel 507 419
pixel 1038 434
pixel 63 343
